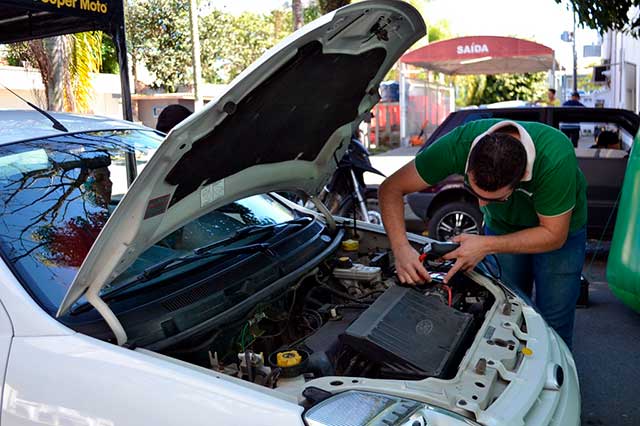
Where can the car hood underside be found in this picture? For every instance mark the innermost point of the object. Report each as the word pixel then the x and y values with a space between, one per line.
pixel 283 124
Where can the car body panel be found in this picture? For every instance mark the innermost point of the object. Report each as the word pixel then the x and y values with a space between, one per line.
pixel 27 317
pixel 20 125
pixel 623 266
pixel 6 336
pixel 150 389
pixel 180 182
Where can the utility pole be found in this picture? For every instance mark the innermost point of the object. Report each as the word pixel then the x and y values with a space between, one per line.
pixel 575 54
pixel 195 53
pixel 298 17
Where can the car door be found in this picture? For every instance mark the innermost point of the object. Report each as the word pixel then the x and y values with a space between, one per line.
pixel 6 334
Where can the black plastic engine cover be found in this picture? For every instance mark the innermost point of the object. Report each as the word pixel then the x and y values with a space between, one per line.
pixel 405 326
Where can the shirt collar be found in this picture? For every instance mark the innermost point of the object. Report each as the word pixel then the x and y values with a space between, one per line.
pixel 525 138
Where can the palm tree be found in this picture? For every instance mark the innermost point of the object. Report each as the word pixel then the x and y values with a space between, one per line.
pixel 298 19
pixel 66 64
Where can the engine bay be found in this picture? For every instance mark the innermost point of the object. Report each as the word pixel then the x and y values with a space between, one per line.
pixel 349 316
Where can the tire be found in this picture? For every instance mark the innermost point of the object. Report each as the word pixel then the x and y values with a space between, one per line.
pixel 373 208
pixel 456 218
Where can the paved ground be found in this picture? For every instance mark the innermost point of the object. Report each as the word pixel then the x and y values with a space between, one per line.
pixel 607 353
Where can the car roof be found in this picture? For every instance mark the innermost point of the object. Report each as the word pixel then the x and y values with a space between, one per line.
pixel 627 119
pixel 18 125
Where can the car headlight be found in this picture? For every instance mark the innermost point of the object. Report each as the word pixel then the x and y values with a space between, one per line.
pixel 356 408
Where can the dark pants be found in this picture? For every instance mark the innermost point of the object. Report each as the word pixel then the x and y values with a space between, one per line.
pixel 556 275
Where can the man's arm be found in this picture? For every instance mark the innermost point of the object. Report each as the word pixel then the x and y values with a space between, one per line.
pixel 549 235
pixel 405 181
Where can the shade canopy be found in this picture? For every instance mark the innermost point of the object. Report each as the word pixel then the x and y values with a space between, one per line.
pixel 22 20
pixel 482 55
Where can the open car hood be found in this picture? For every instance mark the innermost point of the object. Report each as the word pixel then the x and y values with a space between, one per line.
pixel 283 125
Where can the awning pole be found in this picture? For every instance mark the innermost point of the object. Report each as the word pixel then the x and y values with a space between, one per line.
pixel 120 41
pixel 403 107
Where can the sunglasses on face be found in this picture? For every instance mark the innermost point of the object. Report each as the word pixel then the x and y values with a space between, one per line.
pixel 488 200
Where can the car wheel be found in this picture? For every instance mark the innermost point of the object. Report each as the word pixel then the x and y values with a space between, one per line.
pixel 453 219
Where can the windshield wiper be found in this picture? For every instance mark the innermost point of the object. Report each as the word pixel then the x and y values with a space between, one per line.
pixel 205 252
pixel 251 230
pixel 171 264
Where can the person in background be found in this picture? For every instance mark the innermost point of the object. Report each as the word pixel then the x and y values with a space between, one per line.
pixel 170 116
pixel 574 101
pixel 607 139
pixel 551 98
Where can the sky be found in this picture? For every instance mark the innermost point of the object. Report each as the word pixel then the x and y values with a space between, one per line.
pixel 539 20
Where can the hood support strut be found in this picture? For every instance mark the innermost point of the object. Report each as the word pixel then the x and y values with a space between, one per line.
pixel 108 315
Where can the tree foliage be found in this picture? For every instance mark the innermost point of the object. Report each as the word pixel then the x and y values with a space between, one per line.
pixel 605 15
pixel 158 34
pixel 66 64
pixel 486 89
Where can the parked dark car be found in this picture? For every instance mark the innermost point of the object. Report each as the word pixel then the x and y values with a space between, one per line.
pixel 449 209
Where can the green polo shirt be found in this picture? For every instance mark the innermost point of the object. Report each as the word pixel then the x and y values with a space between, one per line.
pixel 556 186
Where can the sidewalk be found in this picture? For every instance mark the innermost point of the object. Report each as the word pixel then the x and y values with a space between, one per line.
pixel 388 162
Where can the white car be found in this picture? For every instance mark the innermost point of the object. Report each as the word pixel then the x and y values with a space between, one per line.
pixel 201 297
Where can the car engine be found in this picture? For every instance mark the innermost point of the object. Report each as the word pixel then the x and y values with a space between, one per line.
pixel 349 317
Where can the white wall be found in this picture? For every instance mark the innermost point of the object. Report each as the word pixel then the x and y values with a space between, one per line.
pixel 27 82
pixel 623 53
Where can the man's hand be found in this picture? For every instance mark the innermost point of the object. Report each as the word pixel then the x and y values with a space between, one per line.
pixel 473 248
pixel 390 195
pixel 409 268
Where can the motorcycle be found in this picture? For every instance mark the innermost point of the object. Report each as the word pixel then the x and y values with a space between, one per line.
pixel 346 194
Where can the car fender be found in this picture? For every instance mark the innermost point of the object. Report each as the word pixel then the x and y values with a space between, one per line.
pixel 80 380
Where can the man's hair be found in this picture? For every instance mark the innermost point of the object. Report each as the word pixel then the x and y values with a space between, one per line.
pixel 552 90
pixel 576 94
pixel 170 116
pixel 498 160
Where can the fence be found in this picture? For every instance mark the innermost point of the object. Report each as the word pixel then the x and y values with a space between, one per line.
pixel 426 105
pixel 422 106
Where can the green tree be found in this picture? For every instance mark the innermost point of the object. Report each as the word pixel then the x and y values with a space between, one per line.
pixel 616 15
pixel 158 32
pixel 231 43
pixel 486 89
pixel 66 64
pixel 109 56
pixel 438 31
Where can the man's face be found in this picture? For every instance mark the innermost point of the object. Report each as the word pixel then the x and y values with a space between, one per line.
pixel 551 95
pixel 486 197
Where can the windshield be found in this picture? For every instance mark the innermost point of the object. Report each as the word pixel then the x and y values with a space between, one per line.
pixel 218 225
pixel 56 195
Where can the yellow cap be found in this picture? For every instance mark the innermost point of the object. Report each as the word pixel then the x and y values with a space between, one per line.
pixel 350 245
pixel 288 359
pixel 527 351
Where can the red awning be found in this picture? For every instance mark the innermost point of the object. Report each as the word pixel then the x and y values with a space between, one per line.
pixel 482 55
